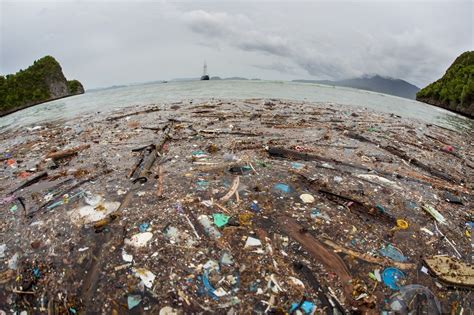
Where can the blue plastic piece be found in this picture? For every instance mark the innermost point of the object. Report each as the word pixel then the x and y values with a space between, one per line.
pixel 144 226
pixel 36 272
pixel 254 207
pixel 202 184
pixel 296 165
pixel 391 276
pixel 133 300
pixel 307 307
pixel 282 187
pixel 208 288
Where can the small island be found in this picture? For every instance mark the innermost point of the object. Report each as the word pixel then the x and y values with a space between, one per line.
pixel 455 90
pixel 41 82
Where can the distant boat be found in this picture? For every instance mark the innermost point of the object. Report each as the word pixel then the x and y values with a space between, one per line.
pixel 205 76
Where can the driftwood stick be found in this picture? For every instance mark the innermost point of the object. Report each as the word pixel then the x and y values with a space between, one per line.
pixel 159 190
pixel 150 110
pixel 232 190
pixel 237 133
pixel 66 153
pixel 402 155
pixel 315 248
pixel 31 181
pixel 368 258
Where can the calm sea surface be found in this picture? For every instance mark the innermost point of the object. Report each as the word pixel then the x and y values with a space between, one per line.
pixel 105 101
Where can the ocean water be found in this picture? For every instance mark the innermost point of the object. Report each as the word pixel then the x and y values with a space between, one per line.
pixel 107 100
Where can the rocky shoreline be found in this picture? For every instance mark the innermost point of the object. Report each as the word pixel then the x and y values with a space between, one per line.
pixel 247 206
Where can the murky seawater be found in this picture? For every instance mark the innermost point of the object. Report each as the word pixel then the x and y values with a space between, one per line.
pixel 106 100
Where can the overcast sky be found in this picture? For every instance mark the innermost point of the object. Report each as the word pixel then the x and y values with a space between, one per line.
pixel 103 43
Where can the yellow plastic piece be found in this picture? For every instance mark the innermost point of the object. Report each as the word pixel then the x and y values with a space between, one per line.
pixel 402 224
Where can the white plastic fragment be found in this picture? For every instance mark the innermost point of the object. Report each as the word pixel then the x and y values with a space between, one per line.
pixel 168 310
pixel 427 231
pixel 251 241
pixel 13 261
pixel 379 180
pixel 220 292
pixel 126 257
pixel 377 275
pixel 146 276
pixel 92 200
pixel 296 281
pixel 3 248
pixel 90 214
pixel 307 198
pixel 139 240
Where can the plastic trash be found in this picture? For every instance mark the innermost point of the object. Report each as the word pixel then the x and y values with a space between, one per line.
pixel 168 310
pixel 402 224
pixel 391 277
pixel 172 234
pixel 13 261
pixel 252 242
pixel 254 207
pixel 307 198
pixel 3 248
pixel 208 228
pixel 199 154
pixel 207 287
pixel 7 199
pixel 220 219
pixel 126 257
pixel 133 300
pixel 240 170
pixel 434 213
pixel 229 157
pixel 307 307
pixel 146 276
pixel 404 302
pixel 316 213
pixel 226 259
pixel 90 214
pixel 245 218
pixel 202 184
pixel 144 227
pixel 393 253
pixel 139 240
pixel 297 166
pixel 282 188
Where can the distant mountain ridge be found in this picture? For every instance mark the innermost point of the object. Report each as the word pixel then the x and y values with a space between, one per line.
pixel 374 83
pixel 455 90
pixel 41 82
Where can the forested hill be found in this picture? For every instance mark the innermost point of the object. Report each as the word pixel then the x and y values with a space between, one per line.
pixel 41 82
pixel 455 90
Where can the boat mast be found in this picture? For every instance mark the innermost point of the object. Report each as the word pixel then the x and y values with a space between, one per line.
pixel 204 72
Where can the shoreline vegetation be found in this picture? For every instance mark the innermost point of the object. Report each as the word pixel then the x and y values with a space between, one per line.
pixel 217 205
pixel 41 82
pixel 455 90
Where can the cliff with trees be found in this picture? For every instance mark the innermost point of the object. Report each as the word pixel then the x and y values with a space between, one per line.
pixel 41 82
pixel 455 90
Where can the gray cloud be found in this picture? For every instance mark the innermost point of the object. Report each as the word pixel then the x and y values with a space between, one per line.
pixel 104 43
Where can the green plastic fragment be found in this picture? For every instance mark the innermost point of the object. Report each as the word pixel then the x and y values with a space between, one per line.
pixel 434 213
pixel 220 219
